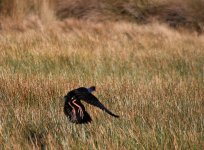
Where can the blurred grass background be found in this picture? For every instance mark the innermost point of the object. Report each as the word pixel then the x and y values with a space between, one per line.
pixel 178 14
pixel 145 71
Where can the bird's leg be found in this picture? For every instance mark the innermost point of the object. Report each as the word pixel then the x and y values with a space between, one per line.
pixel 73 110
pixel 80 109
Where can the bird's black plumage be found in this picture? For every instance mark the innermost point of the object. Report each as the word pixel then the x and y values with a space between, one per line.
pixel 75 110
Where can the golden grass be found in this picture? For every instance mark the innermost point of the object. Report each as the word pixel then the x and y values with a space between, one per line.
pixel 150 75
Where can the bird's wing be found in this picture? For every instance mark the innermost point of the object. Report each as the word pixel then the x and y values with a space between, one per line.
pixel 91 99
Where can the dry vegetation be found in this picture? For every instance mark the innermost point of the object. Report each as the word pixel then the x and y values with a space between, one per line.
pixel 179 14
pixel 151 75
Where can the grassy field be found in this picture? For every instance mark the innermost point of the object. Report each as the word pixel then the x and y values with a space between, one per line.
pixel 150 75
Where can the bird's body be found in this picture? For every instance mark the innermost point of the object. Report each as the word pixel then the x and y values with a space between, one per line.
pixel 75 110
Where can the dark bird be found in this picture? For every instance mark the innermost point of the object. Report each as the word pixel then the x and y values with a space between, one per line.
pixel 75 110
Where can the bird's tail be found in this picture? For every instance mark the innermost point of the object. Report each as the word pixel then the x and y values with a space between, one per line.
pixel 86 118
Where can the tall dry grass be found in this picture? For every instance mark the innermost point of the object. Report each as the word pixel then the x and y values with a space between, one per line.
pixel 150 75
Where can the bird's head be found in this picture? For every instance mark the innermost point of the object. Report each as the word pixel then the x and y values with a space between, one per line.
pixel 91 89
